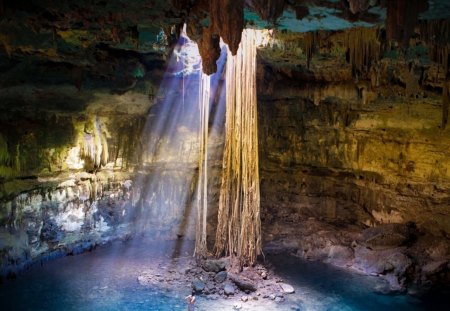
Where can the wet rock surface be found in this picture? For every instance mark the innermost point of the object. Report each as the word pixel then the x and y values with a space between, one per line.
pixel 251 286
pixel 402 265
pixel 214 265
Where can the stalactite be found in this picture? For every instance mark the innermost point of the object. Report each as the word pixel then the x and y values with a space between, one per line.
pixel 402 18
pixel 445 104
pixel 209 48
pixel 17 163
pixel 7 169
pixel 94 145
pixel 202 185
pixel 310 41
pixel 268 10
pixel 227 20
pixel 4 154
pixel 239 225
pixel 436 33
pixel 363 48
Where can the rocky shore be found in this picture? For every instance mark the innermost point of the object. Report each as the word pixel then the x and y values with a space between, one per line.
pixel 409 259
pixel 217 280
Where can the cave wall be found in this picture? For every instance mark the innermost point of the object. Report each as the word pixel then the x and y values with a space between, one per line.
pixel 335 161
pixel 355 172
pixel 81 168
pixel 383 162
pixel 346 140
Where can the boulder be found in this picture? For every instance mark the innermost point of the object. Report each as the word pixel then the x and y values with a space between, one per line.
pixel 220 277
pixel 340 255
pixel 242 283
pixel 228 289
pixel 279 299
pixel 392 264
pixel 198 286
pixel 287 289
pixel 381 261
pixel 389 235
pixel 212 265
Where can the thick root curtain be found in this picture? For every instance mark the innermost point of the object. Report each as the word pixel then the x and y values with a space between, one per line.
pixel 239 226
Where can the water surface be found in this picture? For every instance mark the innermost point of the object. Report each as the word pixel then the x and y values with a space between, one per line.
pixel 106 279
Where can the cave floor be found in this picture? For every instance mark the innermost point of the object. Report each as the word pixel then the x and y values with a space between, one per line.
pixel 137 275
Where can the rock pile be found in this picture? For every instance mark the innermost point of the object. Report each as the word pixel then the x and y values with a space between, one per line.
pixel 211 279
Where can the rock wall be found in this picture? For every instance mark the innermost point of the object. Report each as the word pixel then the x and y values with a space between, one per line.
pixel 354 157
pixel 373 164
pixel 67 218
pixel 85 168
pixel 335 166
pixel 76 212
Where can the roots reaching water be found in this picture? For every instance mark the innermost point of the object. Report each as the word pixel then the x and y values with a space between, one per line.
pixel 239 227
pixel 202 186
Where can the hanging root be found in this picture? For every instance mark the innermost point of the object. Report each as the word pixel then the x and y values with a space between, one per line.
pixel 239 226
pixel 202 185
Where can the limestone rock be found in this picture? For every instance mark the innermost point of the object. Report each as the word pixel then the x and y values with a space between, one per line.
pixel 220 277
pixel 392 264
pixel 287 289
pixel 434 267
pixel 279 299
pixel 198 286
pixel 340 255
pixel 228 289
pixel 389 235
pixel 213 265
pixel 209 48
pixel 264 275
pixel 242 283
pixel 227 19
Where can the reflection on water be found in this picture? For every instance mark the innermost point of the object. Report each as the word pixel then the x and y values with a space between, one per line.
pixel 106 279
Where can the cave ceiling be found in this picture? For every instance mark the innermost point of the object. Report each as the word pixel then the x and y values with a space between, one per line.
pixel 117 44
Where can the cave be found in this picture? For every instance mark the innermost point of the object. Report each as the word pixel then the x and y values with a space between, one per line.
pixel 224 155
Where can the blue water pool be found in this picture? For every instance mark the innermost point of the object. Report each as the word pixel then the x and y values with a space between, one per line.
pixel 106 279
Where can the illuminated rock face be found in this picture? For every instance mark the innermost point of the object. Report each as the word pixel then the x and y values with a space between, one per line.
pixel 74 216
pixel 353 180
pixel 380 166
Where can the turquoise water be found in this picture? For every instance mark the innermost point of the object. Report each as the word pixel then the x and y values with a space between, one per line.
pixel 106 279
pixel 324 287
